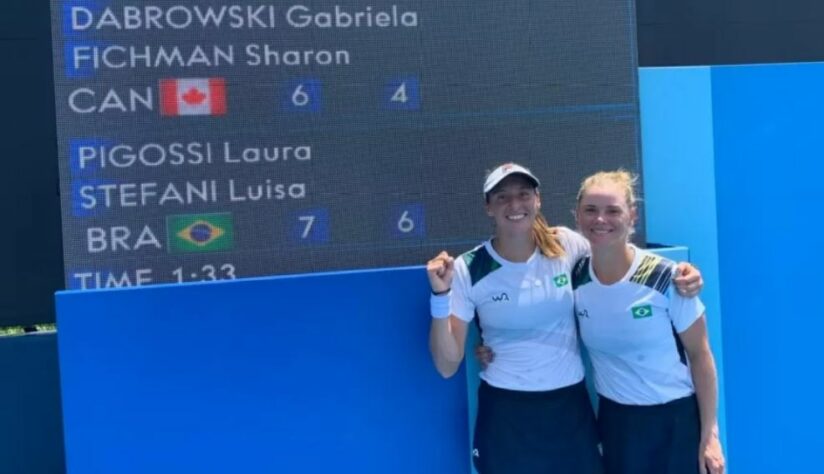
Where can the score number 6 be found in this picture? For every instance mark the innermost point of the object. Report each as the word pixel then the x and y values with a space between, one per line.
pixel 302 96
pixel 408 220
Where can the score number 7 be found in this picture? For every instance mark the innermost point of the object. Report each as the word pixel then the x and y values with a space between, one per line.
pixel 310 226
pixel 308 220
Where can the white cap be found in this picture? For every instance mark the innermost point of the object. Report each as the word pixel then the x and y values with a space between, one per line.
pixel 498 174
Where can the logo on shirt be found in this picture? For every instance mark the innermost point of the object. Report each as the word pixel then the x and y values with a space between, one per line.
pixel 561 280
pixel 641 311
pixel 502 297
pixel 582 313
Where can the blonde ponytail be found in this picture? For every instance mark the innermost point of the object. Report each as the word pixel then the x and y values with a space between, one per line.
pixel 546 238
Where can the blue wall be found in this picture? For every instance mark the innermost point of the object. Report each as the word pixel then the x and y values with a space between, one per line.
pixel 769 123
pixel 679 195
pixel 262 375
pixel 31 433
pixel 316 373
pixel 752 136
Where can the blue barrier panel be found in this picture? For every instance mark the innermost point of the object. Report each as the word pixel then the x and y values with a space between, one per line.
pixel 750 222
pixel 31 438
pixel 301 374
pixel 769 169
pixel 679 182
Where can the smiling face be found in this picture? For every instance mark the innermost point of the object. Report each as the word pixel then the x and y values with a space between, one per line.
pixel 604 214
pixel 513 204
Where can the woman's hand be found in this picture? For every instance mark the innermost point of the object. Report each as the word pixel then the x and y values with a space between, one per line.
pixel 484 355
pixel 440 270
pixel 710 455
pixel 688 280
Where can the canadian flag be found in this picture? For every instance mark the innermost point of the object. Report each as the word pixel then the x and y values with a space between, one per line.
pixel 193 96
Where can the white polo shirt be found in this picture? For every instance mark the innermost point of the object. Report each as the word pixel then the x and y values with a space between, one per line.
pixel 525 313
pixel 630 329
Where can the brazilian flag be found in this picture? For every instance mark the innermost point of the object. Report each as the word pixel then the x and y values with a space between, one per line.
pixel 641 311
pixel 200 232
pixel 561 280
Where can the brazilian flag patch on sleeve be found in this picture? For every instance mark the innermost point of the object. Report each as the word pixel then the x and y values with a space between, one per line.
pixel 641 311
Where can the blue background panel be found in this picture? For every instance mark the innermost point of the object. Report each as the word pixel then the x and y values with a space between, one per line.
pixel 315 373
pixel 679 189
pixel 733 166
pixel 768 171
pixel 31 438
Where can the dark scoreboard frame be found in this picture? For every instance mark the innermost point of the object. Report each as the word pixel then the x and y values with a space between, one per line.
pixel 176 122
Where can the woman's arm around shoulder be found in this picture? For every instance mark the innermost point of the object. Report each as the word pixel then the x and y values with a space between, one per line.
pixel 575 245
pixel 687 279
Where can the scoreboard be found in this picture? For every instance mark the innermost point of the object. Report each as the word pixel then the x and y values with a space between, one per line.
pixel 211 140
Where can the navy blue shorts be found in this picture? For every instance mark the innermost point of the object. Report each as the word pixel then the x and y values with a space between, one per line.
pixel 550 432
pixel 650 439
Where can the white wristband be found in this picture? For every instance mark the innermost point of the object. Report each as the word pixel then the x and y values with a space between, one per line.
pixel 439 306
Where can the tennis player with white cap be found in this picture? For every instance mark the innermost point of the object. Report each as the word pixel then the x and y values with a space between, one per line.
pixel 534 414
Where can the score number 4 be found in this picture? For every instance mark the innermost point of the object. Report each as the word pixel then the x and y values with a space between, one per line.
pixel 402 94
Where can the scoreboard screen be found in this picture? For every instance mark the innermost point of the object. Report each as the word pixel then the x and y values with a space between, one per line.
pixel 208 140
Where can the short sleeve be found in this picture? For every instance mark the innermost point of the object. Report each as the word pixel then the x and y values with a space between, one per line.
pixel 684 311
pixel 460 303
pixel 575 245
